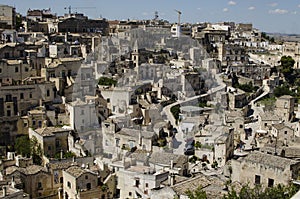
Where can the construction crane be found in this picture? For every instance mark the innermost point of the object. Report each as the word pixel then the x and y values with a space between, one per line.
pixel 70 8
pixel 179 13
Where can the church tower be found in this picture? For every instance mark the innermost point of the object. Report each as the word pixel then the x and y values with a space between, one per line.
pixel 135 54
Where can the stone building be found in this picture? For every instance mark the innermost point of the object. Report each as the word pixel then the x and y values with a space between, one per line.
pixel 236 120
pixel 268 119
pixel 264 169
pixel 83 25
pixel 285 107
pixel 36 180
pixel 7 17
pixel 10 192
pixel 282 132
pixel 237 98
pixel 63 72
pixel 52 139
pixel 138 181
pixel 229 53
pixel 82 115
pixel 16 100
pixel 115 139
pixel 177 163
pixel 84 183
pixel 224 147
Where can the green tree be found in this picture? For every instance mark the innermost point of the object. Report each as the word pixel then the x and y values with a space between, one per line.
pixel 105 81
pixel 282 90
pixel 29 148
pixel 19 22
pixel 175 110
pixel 23 146
pixel 276 192
pixel 36 151
pixel 198 145
pixel 287 64
pixel 196 194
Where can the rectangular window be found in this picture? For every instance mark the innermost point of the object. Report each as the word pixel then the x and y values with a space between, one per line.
pixel 6 55
pixel 21 95
pixel 257 179
pixel 8 98
pixel 270 182
pixel 57 143
pixel 117 142
pixel 137 182
pixel 40 185
pixel 48 93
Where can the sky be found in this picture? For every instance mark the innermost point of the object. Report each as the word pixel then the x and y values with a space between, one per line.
pixel 278 16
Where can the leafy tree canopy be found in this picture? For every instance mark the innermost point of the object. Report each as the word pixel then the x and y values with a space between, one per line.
pixel 276 192
pixel 105 81
pixel 282 90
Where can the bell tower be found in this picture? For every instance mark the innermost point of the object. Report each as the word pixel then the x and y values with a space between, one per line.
pixel 135 54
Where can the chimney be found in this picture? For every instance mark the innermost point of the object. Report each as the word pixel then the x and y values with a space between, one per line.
pixel 171 179
pixel 4 191
pixel 13 183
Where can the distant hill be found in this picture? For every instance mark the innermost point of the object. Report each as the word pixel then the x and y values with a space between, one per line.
pixel 285 37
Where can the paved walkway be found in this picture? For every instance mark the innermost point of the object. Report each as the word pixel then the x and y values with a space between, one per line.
pixel 179 140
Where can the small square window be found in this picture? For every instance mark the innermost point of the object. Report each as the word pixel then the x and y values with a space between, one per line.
pixel 270 182
pixel 257 179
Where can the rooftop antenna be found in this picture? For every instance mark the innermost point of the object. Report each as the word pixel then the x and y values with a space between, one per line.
pixel 69 8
